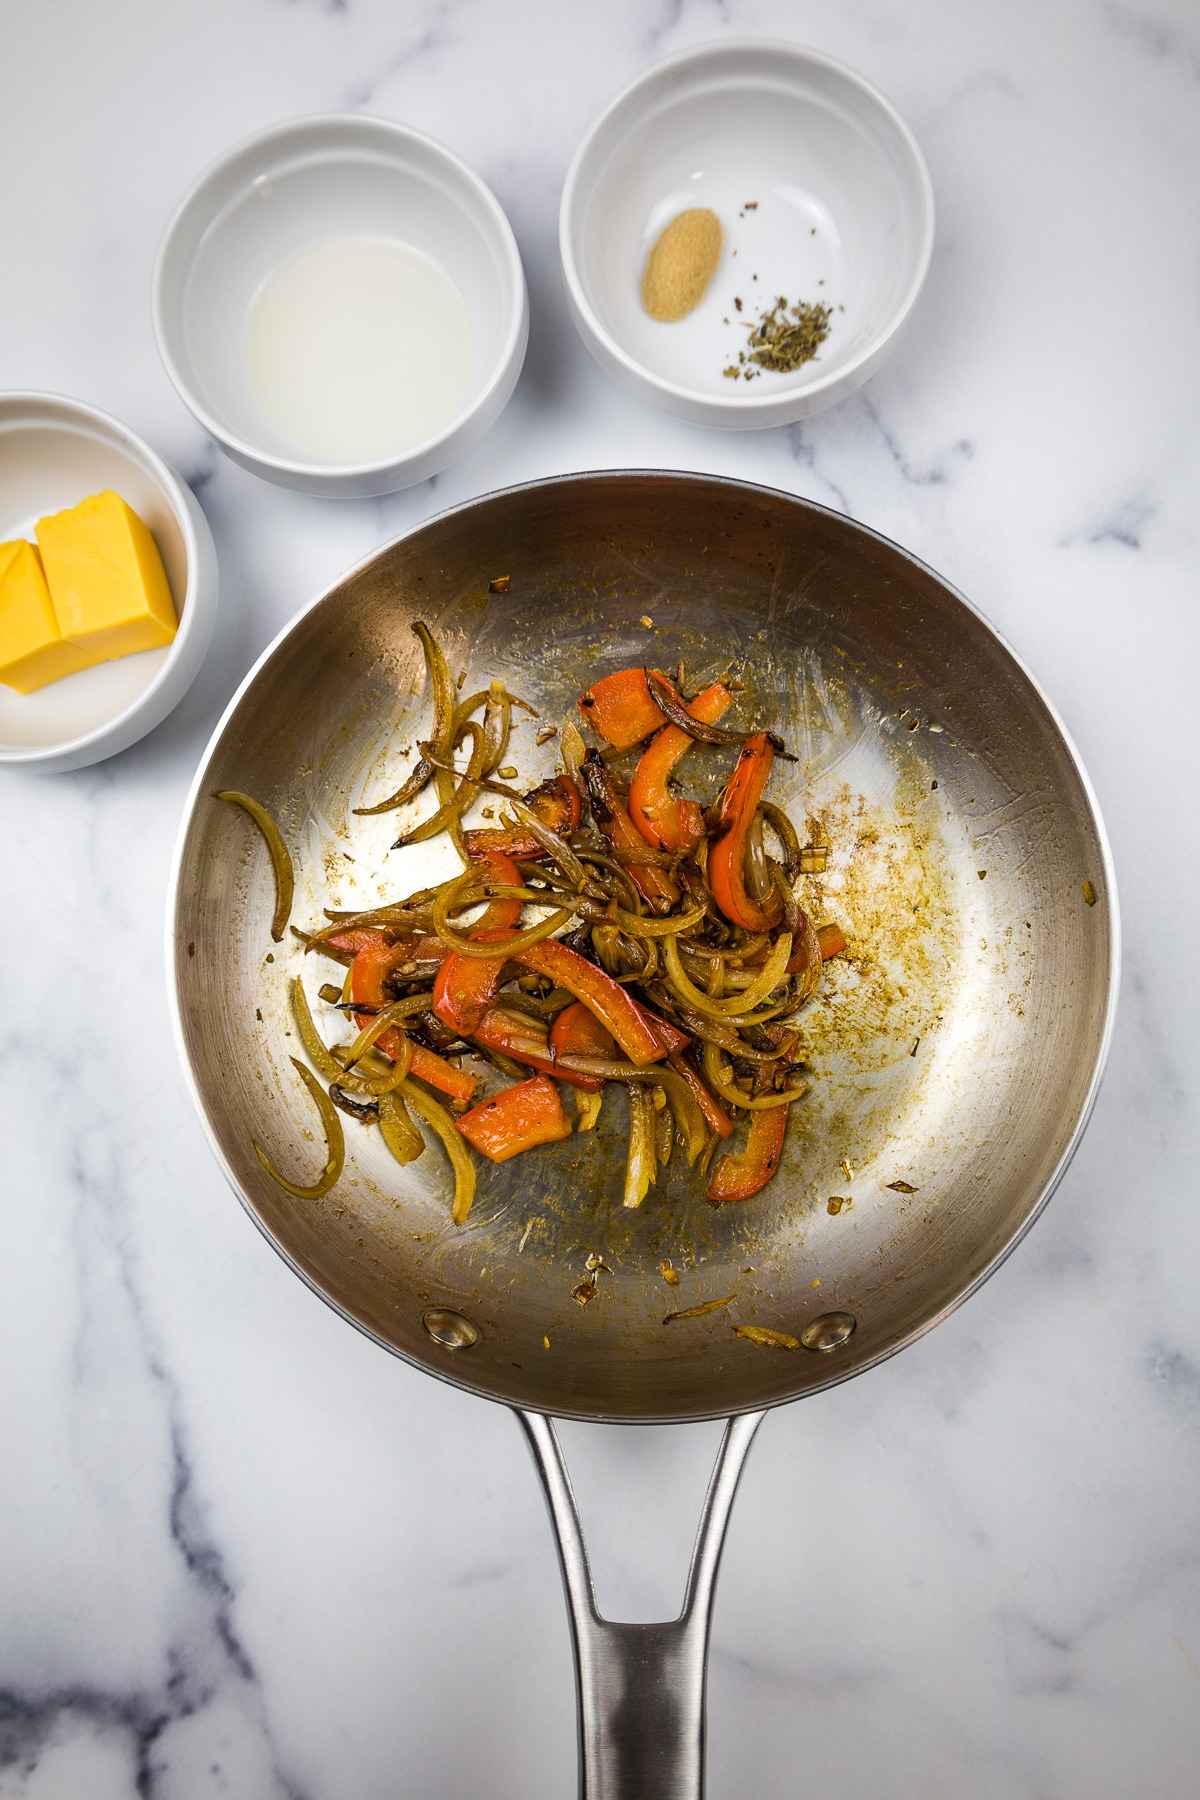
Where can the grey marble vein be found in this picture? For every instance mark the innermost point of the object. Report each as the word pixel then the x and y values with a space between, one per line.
pixel 800 443
pixel 930 474
pixel 204 1658
pixel 204 469
pixel 1176 1378
pixel 1160 37
pixel 430 40
pixel 1125 524
pixel 669 15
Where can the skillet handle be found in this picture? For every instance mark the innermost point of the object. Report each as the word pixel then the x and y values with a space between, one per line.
pixel 641 1688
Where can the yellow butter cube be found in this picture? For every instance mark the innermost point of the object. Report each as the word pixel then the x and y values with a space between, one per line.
pixel 106 579
pixel 32 651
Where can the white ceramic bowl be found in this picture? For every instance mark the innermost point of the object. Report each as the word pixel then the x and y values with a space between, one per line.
pixel 53 453
pixel 843 215
pixel 279 194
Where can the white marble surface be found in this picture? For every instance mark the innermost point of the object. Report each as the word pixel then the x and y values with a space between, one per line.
pixel 244 1553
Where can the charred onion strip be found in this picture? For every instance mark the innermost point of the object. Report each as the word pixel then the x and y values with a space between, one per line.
pixel 465 892
pixel 281 860
pixel 673 708
pixel 326 1062
pixel 612 816
pixel 640 1161
pixel 785 831
pixel 764 1334
pixel 455 804
pixel 440 1122
pixel 417 782
pixel 687 1113
pixel 335 1141
pixel 397 1129
pixel 444 709
pixel 679 714
pixel 742 1004
pixel 717 1079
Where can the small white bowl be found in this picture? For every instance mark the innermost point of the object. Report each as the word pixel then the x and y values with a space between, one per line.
pixel 286 190
pixel 54 452
pixel 843 215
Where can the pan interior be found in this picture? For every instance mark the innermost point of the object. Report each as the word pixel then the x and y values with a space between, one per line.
pixel 952 1052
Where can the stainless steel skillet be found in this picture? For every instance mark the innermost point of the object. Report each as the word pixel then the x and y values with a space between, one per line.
pixel 955 1054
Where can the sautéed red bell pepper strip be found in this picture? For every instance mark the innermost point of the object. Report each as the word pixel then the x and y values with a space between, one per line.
pixel 727 858
pixel 517 1118
pixel 525 1040
pixel 715 1115
pixel 666 822
pixel 600 994
pixel 465 986
pixel 578 1032
pixel 372 965
pixel 743 1173
pixel 612 816
pixel 557 803
pixel 622 708
pixel 832 940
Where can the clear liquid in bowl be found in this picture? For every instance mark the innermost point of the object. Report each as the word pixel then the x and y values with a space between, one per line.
pixel 358 349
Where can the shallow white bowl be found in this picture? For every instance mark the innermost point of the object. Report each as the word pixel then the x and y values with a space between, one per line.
pixel 54 452
pixel 289 188
pixel 844 215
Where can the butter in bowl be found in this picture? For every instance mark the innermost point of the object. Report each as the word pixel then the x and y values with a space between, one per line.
pixel 108 584
pixel 92 589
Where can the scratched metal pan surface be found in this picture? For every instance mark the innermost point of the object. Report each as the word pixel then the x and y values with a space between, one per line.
pixel 954 1053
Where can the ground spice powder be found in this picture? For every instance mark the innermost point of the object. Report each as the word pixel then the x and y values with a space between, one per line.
pixel 681 264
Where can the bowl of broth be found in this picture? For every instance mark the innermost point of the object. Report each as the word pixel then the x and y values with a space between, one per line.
pixel 340 302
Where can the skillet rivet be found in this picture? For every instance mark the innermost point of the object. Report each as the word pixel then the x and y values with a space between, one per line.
pixel 829 1331
pixel 450 1329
